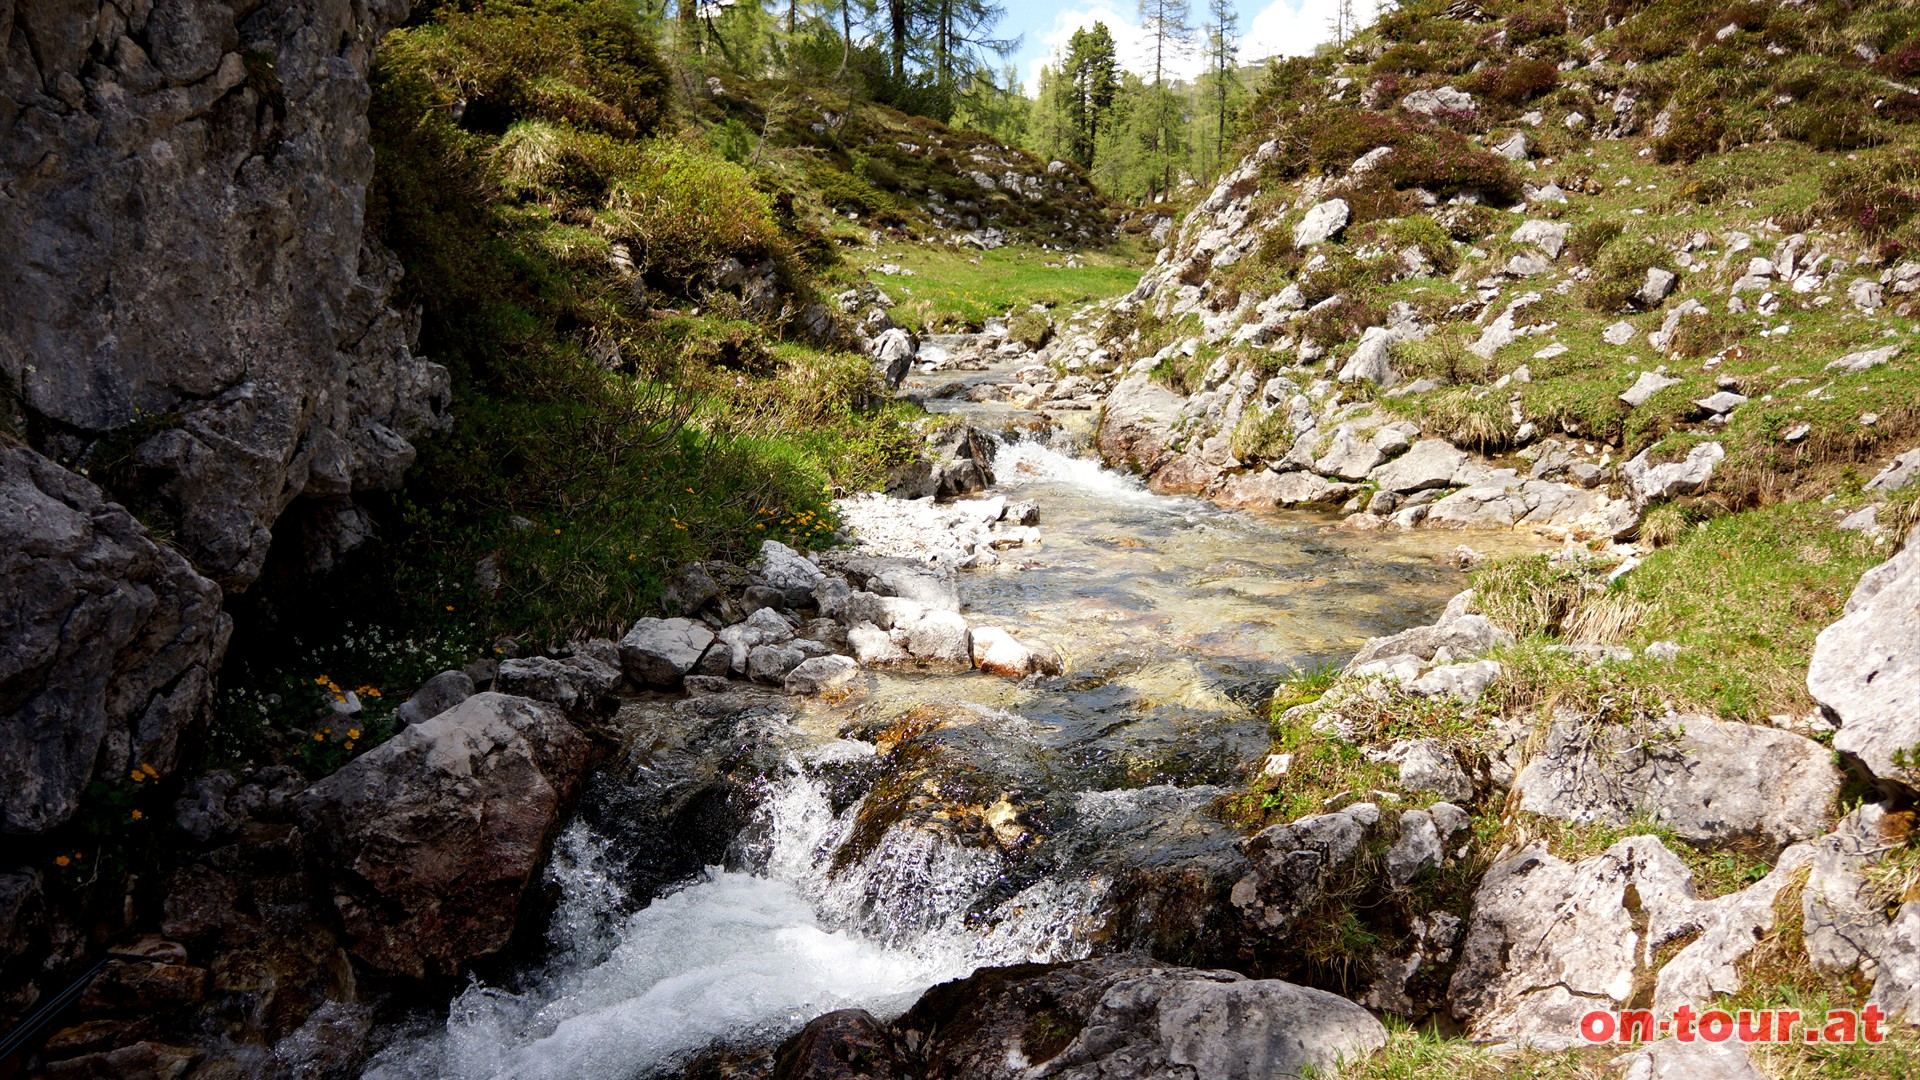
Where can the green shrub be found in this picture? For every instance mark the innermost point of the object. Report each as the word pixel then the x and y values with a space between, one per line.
pixel 690 210
pixel 1586 239
pixel 1513 84
pixel 1620 272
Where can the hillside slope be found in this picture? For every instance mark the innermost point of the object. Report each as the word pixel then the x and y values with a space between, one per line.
pixel 1636 279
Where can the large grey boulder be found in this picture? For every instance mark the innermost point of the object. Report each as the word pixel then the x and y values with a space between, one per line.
pixel 1688 476
pixel 1461 632
pixel 1444 99
pixel 1349 456
pixel 108 643
pixel 787 570
pixel 770 663
pixel 1130 1018
pixel 1710 781
pixel 893 352
pixel 1136 424
pixel 1550 940
pixel 1658 286
pixel 1429 463
pixel 941 637
pixel 1865 669
pixel 577 684
pixel 1548 236
pixel 820 673
pixel 1290 865
pixel 658 652
pixel 1372 360
pixel 435 835
pixel 1506 501
pixel 1323 222
pixel 1217 1025
pixel 1648 384
pixel 1856 362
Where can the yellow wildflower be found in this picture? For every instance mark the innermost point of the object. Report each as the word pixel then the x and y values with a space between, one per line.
pixel 317 737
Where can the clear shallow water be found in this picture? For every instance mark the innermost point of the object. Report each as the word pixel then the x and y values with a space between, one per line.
pixel 1175 618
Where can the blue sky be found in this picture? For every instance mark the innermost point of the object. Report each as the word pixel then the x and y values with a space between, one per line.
pixel 1268 27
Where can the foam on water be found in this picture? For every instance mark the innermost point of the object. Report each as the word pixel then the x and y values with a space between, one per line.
pixel 739 957
pixel 725 958
pixel 1026 461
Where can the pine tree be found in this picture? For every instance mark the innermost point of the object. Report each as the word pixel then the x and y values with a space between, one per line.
pixel 1342 23
pixel 1223 41
pixel 1091 73
pixel 1169 32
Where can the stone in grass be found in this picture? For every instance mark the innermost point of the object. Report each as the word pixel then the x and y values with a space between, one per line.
pixel 1618 334
pixel 1903 470
pixel 1686 477
pixel 1648 384
pixel 1321 223
pixel 1658 286
pixel 1428 765
pixel 821 673
pixel 1708 780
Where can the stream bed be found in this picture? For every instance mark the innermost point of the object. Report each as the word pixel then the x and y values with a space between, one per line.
pixel 757 860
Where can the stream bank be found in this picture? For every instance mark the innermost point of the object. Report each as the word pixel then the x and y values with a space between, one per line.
pixel 927 817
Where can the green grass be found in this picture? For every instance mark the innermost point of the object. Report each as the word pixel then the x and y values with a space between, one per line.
pixel 953 288
pixel 1743 595
pixel 1415 1053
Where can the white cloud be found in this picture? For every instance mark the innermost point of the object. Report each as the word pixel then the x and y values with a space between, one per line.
pixel 1134 48
pixel 1296 27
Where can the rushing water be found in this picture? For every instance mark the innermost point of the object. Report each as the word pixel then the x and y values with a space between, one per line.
pixel 1175 618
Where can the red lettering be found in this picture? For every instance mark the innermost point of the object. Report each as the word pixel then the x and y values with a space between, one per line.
pixel 1683 1023
pixel 1716 1026
pixel 1783 1022
pixel 1636 1025
pixel 1751 1032
pixel 1842 1027
pixel 1872 1015
pixel 1597 1026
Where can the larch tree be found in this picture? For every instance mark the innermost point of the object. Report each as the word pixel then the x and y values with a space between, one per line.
pixel 1169 32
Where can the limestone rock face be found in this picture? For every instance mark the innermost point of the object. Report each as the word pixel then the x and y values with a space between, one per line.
pixel 188 293
pixel 1866 667
pixel 107 643
pixel 435 834
pixel 186 244
pixel 1710 781
pixel 1550 940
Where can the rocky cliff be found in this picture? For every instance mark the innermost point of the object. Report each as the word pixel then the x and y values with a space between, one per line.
pixel 191 323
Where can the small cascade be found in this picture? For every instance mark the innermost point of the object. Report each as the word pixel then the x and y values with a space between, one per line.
pixel 744 955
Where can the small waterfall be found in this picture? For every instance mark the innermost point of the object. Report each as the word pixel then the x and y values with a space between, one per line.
pixel 1020 462
pixel 742 957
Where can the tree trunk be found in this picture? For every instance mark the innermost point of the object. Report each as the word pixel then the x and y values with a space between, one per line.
pixel 897 14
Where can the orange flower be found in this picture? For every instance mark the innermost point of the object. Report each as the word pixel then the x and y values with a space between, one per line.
pixel 61 860
pixel 353 733
pixel 137 815
pixel 317 737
